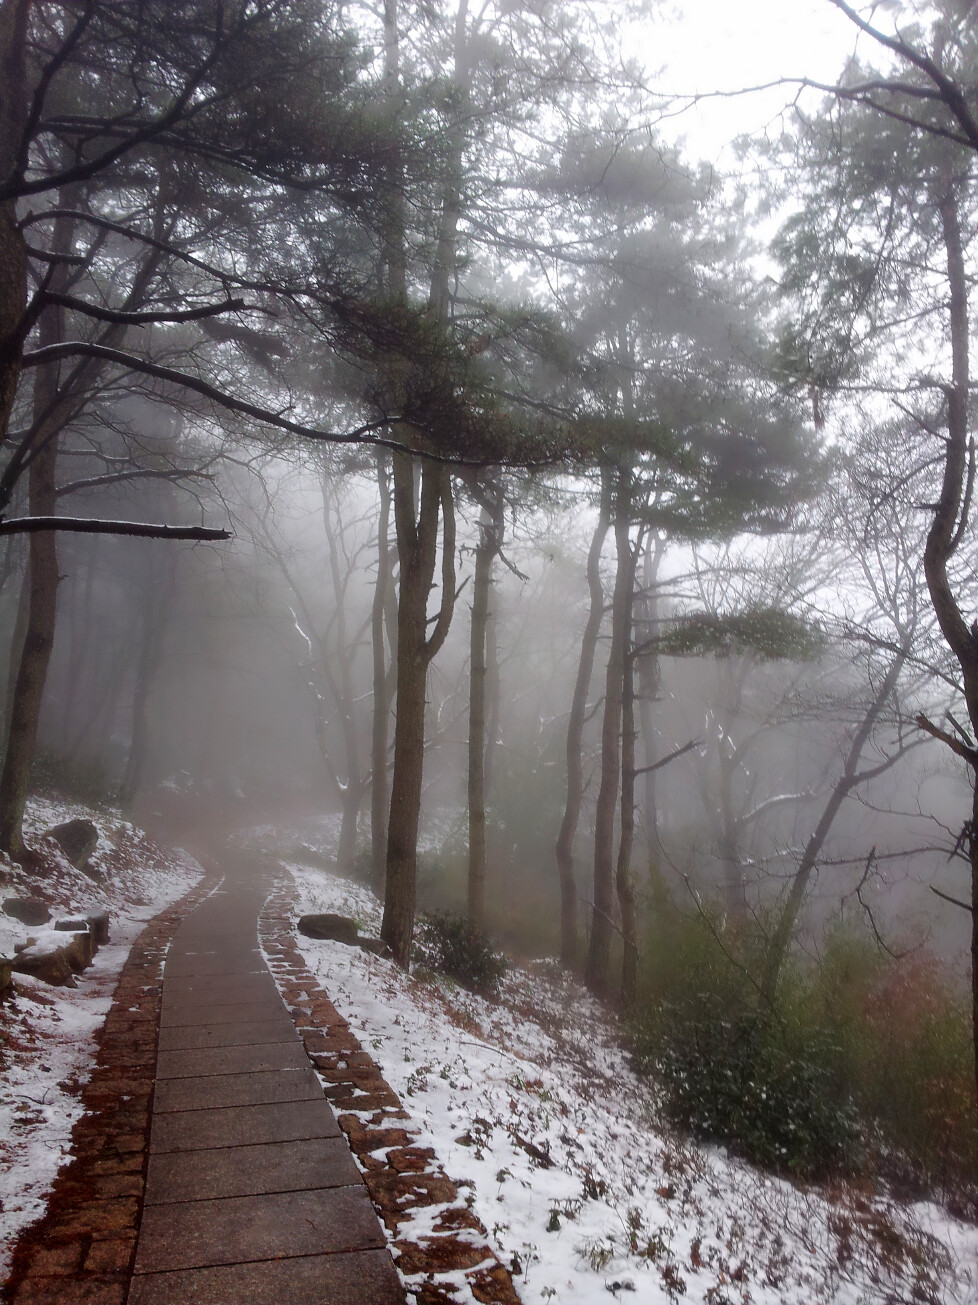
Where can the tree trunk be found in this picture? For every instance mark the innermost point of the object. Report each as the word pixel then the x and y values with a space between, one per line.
pixel 492 696
pixel 25 711
pixel 417 533
pixel 150 654
pixel 602 923
pixel 337 668
pixel 16 647
pixel 945 535
pixel 381 694
pixel 777 948
pixel 623 873
pixel 575 732
pixel 417 544
pixel 729 849
pixel 490 542
pixel 351 801
pixel 648 673
pixel 14 15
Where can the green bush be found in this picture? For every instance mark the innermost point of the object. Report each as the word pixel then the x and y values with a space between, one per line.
pixel 864 1062
pixel 450 945
pixel 733 1080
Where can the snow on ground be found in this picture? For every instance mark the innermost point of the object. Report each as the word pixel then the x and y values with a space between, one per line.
pixel 533 1110
pixel 47 1035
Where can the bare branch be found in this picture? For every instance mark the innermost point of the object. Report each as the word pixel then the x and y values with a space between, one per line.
pixel 970 755
pixel 120 318
pixel 955 901
pixel 87 526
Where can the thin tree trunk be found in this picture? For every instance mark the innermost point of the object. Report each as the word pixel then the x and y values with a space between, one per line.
pixel 351 800
pixel 79 647
pixel 729 848
pixel 492 696
pixel 602 922
pixel 777 948
pixel 381 693
pixel 945 533
pixel 575 733
pixel 337 668
pixel 485 553
pixel 16 646
pixel 150 654
pixel 649 676
pixel 623 873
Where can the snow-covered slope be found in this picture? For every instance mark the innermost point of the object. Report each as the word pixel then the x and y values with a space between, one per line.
pixel 47 1035
pixel 532 1108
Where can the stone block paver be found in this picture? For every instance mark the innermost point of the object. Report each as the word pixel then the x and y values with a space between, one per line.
pixel 236 1090
pixel 314 1280
pixel 242 1229
pixel 281 1121
pixel 231 1060
pixel 179 1012
pixel 198 1037
pixel 250 1170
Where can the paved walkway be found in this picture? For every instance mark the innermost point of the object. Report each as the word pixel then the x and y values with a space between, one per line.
pixel 252 1194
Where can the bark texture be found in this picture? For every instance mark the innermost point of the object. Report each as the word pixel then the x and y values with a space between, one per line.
pixel 944 537
pixel 597 973
pixel 417 547
pixel 382 685
pixel 490 542
pixel 569 941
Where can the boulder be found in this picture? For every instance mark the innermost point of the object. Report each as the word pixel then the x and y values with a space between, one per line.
pixel 334 928
pixel 78 839
pixel 28 910
pixel 98 927
pixel 6 983
pixel 54 956
pixel 376 946
pixel 97 924
pixel 71 924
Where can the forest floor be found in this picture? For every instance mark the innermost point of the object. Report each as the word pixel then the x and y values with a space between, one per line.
pixel 48 1035
pixel 534 1111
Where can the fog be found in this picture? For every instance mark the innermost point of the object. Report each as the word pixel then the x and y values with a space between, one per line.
pixel 206 679
pixel 497 459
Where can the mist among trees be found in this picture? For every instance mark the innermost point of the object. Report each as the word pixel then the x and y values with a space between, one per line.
pixel 402 426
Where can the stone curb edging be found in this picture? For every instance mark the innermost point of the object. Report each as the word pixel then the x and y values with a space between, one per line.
pixel 400 1176
pixel 81 1250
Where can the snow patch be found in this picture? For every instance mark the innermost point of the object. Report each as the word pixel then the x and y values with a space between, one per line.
pixel 533 1110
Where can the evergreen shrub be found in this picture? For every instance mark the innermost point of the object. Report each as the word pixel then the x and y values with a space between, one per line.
pixel 450 945
pixel 863 1064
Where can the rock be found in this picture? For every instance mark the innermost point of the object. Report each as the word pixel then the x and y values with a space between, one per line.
pixel 6 983
pixel 49 967
pixel 78 839
pixel 77 924
pixel 28 910
pixel 54 957
pixel 98 927
pixel 335 928
pixel 376 946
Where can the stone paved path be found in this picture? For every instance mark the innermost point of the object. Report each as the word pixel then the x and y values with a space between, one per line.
pixel 252 1194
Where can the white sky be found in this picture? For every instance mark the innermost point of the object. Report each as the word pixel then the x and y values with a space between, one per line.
pixel 709 45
